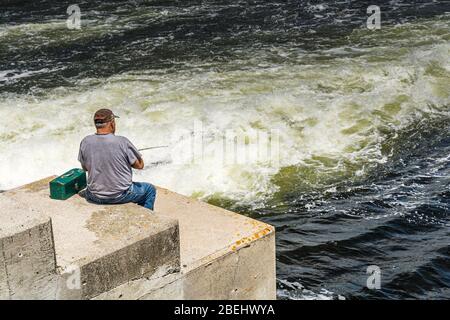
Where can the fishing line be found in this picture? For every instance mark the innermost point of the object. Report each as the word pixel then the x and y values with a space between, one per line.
pixel 155 147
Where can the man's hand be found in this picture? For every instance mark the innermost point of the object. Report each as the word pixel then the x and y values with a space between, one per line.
pixel 138 164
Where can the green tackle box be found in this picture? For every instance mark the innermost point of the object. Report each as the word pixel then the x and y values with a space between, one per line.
pixel 68 184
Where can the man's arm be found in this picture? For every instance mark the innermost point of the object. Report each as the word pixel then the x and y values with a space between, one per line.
pixel 133 155
pixel 138 164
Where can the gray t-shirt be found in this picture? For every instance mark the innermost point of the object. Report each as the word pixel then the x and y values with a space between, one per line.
pixel 108 159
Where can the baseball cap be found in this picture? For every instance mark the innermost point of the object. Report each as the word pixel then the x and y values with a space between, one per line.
pixel 104 116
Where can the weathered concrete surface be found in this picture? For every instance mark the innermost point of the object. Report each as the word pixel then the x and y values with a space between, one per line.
pixel 206 229
pixel 187 249
pixel 98 247
pixel 246 274
pixel 224 255
pixel 27 256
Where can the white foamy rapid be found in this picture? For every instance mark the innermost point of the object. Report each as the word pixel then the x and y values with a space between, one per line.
pixel 296 291
pixel 332 114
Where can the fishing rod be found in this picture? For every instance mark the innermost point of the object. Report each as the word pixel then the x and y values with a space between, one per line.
pixel 156 163
pixel 155 147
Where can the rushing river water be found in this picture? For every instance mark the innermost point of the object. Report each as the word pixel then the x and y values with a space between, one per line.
pixel 362 115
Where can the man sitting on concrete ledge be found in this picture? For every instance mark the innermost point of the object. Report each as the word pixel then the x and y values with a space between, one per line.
pixel 109 160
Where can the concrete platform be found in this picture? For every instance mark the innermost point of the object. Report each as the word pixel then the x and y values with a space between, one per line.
pixel 186 249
